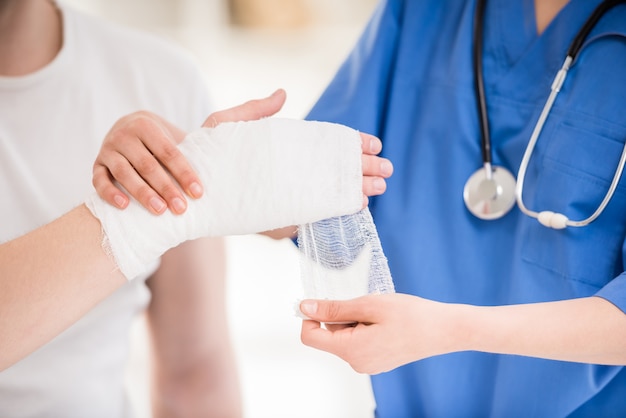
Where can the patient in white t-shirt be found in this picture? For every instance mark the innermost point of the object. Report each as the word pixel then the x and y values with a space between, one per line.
pixel 80 77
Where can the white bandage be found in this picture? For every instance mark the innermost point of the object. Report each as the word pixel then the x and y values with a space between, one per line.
pixel 257 176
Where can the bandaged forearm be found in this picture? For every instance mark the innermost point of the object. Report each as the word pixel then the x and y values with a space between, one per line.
pixel 257 176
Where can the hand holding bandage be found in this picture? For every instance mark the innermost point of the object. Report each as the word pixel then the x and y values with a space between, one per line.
pixel 257 175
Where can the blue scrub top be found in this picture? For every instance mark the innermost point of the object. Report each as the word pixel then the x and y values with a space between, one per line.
pixel 409 81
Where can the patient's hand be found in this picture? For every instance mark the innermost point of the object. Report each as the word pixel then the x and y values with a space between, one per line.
pixel 135 152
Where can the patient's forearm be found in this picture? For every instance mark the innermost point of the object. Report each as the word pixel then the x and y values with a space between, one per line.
pixel 49 278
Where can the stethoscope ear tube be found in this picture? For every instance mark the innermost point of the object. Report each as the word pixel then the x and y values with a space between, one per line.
pixel 489 193
pixel 479 84
pixel 589 24
pixel 521 174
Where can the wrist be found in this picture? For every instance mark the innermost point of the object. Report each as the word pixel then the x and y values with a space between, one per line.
pixel 463 328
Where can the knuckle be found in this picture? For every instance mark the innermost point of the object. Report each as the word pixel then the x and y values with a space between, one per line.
pixel 143 193
pixel 186 175
pixel 304 338
pixel 366 163
pixel 168 190
pixel 361 368
pixel 100 181
pixel 169 153
pixel 114 138
pixel 120 171
pixel 142 113
pixel 357 367
pixel 142 120
pixel 146 165
pixel 332 310
pixel 98 169
pixel 97 182
pixel 107 192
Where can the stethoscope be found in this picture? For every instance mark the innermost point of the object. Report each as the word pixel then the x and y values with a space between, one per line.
pixel 492 191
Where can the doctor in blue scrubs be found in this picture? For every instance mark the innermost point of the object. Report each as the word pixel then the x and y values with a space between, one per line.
pixel 492 317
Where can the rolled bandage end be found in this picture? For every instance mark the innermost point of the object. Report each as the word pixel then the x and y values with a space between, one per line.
pixel 258 176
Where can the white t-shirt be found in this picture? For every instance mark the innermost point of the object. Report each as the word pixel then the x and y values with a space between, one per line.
pixel 52 123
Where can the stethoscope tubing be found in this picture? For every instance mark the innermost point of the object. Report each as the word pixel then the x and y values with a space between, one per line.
pixel 479 84
pixel 547 218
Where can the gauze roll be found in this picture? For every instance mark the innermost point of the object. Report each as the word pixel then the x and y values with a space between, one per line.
pixel 257 175
pixel 342 258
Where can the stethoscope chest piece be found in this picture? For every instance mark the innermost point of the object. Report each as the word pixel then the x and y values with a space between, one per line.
pixel 490 195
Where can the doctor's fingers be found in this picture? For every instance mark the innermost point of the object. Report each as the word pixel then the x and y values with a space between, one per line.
pixel 351 344
pixel 375 170
pixel 370 144
pixel 250 110
pixel 313 335
pixel 333 341
pixel 375 166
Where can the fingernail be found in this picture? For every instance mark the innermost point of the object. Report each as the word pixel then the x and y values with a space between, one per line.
pixel 179 205
pixel 379 185
pixel 119 200
pixel 373 146
pixel 386 168
pixel 195 189
pixel 308 307
pixel 157 204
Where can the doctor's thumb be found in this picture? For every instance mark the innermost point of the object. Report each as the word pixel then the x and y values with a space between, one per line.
pixel 327 310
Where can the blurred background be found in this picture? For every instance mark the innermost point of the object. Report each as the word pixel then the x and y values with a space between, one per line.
pixel 247 49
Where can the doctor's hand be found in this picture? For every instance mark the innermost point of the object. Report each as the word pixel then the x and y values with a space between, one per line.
pixel 386 331
pixel 375 169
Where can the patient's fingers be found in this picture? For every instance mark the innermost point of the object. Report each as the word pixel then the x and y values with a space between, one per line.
pixel 136 153
pixel 103 183
pixel 169 156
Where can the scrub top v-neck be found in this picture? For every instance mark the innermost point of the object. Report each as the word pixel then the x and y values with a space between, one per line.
pixel 409 81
